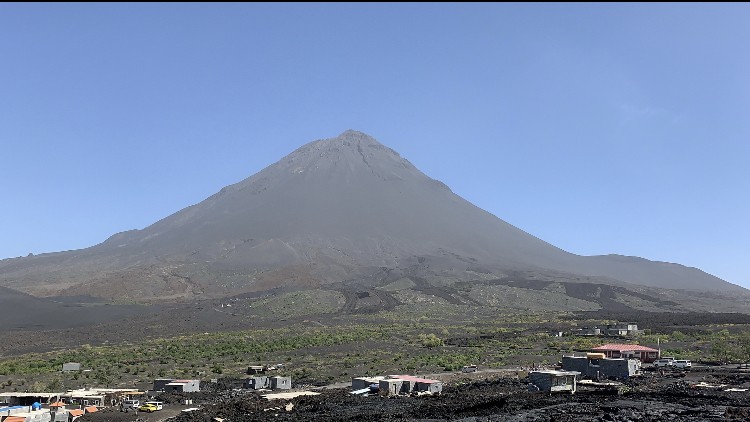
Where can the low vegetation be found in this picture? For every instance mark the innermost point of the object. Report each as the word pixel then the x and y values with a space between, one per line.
pixel 414 339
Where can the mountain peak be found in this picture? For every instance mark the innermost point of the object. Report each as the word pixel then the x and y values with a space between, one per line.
pixel 355 135
pixel 332 211
pixel 349 151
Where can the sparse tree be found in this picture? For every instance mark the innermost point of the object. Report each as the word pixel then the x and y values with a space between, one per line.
pixel 744 341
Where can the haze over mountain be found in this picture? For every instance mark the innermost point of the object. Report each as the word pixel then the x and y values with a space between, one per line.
pixel 341 210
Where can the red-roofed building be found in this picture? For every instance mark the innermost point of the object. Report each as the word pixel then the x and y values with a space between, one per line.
pixel 628 351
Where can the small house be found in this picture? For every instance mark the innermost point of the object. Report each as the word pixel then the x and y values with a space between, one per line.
pixel 628 351
pixel 359 383
pixel 390 387
pixel 406 384
pixel 596 366
pixel 589 331
pixel 171 385
pixel 281 383
pixel 30 416
pixel 551 381
pixel 182 386
pixel 258 382
pixel 622 329
pixel 71 367
pixel 255 369
pixel 161 383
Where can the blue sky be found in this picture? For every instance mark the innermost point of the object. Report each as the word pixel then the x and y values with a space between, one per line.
pixel 600 128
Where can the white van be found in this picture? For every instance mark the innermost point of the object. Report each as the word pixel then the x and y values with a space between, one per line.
pixel 159 405
pixel 682 364
pixel 130 405
pixel 664 362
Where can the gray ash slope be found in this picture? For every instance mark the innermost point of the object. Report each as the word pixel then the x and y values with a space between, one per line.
pixel 334 210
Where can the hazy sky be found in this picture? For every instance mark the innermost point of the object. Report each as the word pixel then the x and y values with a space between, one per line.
pixel 600 128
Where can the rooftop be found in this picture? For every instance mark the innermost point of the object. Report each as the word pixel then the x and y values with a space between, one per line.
pixel 624 348
pixel 413 378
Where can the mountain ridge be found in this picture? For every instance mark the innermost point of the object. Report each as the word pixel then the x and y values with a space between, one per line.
pixel 332 210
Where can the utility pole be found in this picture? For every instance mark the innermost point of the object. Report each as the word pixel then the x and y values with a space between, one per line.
pixel 658 346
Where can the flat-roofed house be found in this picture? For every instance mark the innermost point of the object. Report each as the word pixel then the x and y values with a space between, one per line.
pixel 551 381
pixel 182 386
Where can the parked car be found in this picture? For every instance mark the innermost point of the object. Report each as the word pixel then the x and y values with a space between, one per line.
pixel 159 405
pixel 148 408
pixel 130 405
pixel 469 368
pixel 682 364
pixel 663 363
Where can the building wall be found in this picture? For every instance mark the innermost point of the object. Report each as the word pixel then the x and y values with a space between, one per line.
pixel 432 387
pixel 551 382
pixel 390 387
pixel 60 416
pixel 160 384
pixel 36 416
pixel 255 369
pixel 281 383
pixel 178 388
pixel 359 383
pixel 407 386
pixel 617 368
pixel 603 368
pixel 257 382
pixel 576 363
pixel 541 380
pixel 192 386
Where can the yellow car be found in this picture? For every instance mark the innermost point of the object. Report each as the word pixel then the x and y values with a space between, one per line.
pixel 148 408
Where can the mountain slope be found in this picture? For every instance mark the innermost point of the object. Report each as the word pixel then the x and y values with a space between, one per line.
pixel 334 210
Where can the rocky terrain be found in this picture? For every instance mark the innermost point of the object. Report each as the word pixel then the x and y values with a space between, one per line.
pixel 698 395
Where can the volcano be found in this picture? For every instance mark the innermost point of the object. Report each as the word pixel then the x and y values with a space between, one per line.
pixel 341 210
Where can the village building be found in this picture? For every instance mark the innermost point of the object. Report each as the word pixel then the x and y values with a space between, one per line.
pixel 281 383
pixel 171 385
pixel 262 382
pixel 620 329
pixel 255 369
pixel 588 331
pixel 161 383
pixel 35 413
pixel 407 384
pixel 628 351
pixel 183 386
pixel 18 399
pixel 597 366
pixel 390 386
pixel 30 416
pixel 359 383
pixel 258 382
pixel 551 381
pixel 13 410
